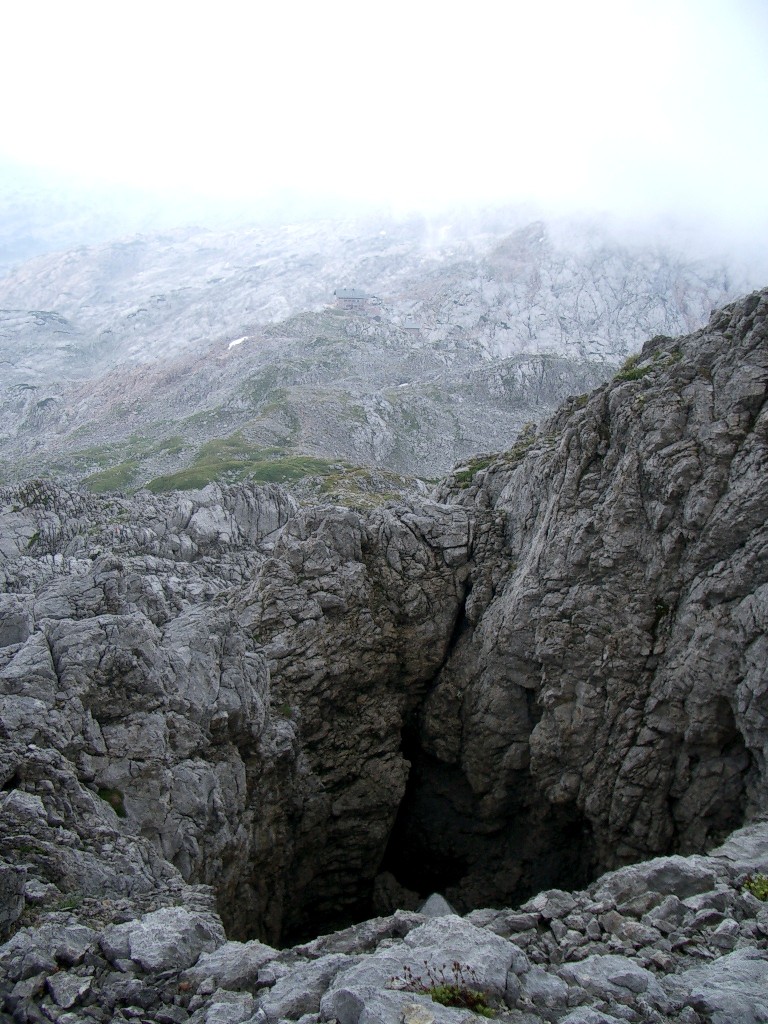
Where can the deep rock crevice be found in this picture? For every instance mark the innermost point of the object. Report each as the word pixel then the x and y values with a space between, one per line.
pixel 441 843
pixel 514 686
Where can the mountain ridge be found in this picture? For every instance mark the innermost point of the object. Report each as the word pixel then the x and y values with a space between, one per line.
pixel 477 331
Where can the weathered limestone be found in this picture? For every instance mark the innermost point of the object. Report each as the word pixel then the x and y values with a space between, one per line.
pixel 172 965
pixel 615 682
pixel 232 678
pixel 224 699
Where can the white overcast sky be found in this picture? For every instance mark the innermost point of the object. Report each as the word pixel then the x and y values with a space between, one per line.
pixel 639 104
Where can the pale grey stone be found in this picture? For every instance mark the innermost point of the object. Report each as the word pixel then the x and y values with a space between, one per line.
pixel 677 876
pixel 170 1014
pixel 638 934
pixel 363 937
pixel 484 956
pixel 168 939
pixel 612 922
pixel 610 975
pixel 503 922
pixel 381 1006
pixel 725 935
pixel 552 904
pixel 667 915
pixel 731 988
pixel 16 622
pixel 746 849
pixel 25 990
pixel 68 989
pixel 436 906
pixel 587 1015
pixel 707 918
pixel 593 930
pixel 36 892
pixel 544 989
pixel 301 991
pixel 234 965
pixel 558 929
pixel 226 1007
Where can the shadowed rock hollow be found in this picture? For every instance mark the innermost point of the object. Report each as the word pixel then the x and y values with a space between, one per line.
pixel 555 667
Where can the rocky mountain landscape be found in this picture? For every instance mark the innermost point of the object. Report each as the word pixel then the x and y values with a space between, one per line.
pixel 177 359
pixel 235 719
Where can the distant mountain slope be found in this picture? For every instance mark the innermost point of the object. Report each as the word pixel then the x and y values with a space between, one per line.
pixel 582 295
pixel 331 385
pixel 143 353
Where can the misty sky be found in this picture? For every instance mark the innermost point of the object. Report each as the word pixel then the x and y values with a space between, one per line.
pixel 638 104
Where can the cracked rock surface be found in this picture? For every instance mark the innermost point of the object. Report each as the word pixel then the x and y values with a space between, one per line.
pixel 593 956
pixel 617 673
pixel 216 686
pixel 225 716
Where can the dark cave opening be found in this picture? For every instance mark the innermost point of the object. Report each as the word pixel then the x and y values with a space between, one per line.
pixel 13 782
pixel 324 916
pixel 427 849
pixel 441 843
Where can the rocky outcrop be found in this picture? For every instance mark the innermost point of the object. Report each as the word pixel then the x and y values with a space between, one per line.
pixel 669 940
pixel 555 668
pixel 231 676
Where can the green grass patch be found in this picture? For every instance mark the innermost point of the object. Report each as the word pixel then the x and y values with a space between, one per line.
pixel 291 467
pixel 116 478
pixel 171 446
pixel 758 886
pixel 631 371
pixel 464 477
pixel 525 441
pixel 454 985
pixel 232 459
pixel 72 902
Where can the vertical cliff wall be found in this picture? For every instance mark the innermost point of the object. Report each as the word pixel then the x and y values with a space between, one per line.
pixel 613 688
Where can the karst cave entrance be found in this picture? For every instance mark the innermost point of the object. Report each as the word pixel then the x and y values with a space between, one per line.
pixel 440 842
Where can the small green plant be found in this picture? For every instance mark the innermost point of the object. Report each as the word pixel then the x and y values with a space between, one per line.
pixel 631 371
pixel 464 477
pixel 757 885
pixel 525 440
pixel 71 902
pixel 454 986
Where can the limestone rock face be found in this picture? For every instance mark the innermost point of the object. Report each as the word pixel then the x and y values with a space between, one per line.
pixel 616 679
pixel 553 668
pixel 356 618
pixel 223 679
